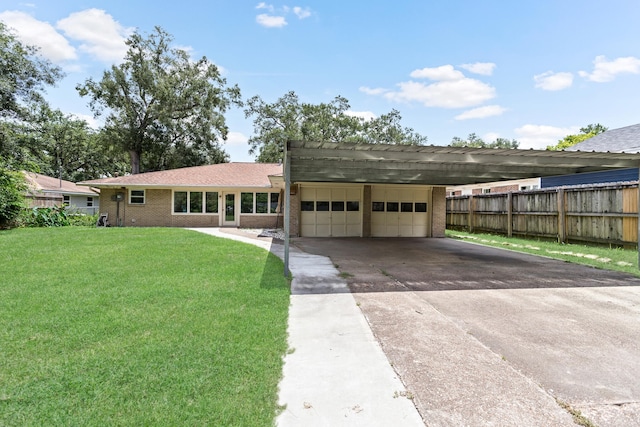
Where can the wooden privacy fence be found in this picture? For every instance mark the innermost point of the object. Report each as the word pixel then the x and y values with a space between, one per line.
pixel 596 214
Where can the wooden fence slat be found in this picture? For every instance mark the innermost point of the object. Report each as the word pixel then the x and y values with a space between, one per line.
pixel 600 213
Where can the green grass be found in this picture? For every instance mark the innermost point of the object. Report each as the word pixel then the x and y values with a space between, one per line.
pixel 123 327
pixel 616 259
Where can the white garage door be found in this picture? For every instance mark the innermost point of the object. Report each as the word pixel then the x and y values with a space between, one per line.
pixel 330 212
pixel 400 211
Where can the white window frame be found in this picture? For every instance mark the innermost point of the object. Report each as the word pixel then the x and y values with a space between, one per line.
pixel 255 201
pixel 204 202
pixel 131 197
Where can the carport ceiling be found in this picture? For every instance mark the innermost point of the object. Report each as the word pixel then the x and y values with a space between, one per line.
pixel 438 165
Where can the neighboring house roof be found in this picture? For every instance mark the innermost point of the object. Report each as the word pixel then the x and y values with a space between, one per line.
pixel 39 183
pixel 626 139
pixel 218 175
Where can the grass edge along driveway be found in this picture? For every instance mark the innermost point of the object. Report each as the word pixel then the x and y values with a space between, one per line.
pixel 615 259
pixel 138 326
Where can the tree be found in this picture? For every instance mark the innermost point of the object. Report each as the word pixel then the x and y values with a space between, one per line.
pixel 165 110
pixel 73 151
pixel 23 76
pixel 290 119
pixel 474 141
pixel 586 132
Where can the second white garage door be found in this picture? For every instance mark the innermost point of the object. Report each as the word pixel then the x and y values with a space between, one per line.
pixel 400 211
pixel 330 212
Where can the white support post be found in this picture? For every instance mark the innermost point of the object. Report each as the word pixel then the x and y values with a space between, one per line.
pixel 287 206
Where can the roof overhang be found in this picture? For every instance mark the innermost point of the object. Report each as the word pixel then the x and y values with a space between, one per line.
pixel 311 161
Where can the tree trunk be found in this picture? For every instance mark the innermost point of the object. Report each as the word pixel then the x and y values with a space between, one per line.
pixel 135 161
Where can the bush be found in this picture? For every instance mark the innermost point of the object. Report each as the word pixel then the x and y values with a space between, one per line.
pixel 83 220
pixel 12 200
pixel 55 216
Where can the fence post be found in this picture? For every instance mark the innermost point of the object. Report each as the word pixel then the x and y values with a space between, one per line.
pixel 470 213
pixel 562 216
pixel 510 214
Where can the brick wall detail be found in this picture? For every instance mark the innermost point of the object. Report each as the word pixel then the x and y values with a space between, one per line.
pixel 439 211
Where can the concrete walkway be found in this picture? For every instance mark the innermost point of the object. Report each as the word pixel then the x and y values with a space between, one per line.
pixel 336 373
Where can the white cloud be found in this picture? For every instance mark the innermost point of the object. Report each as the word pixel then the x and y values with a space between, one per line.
pixel 366 115
pixel 263 5
pixel 606 71
pixel 444 72
pixel 451 89
pixel 540 136
pixel 53 46
pixel 481 112
pixel 484 68
pixel 101 35
pixel 271 21
pixel 236 138
pixel 553 81
pixel 490 136
pixel 372 91
pixel 460 93
pixel 91 120
pixel 302 13
pixel 276 18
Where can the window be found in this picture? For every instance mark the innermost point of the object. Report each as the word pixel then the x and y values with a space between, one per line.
pixel 307 206
pixel 246 202
pixel 195 202
pixel 180 202
pixel 486 190
pixel 89 202
pixel 353 206
pixel 421 207
pixel 406 207
pixel 211 202
pixel 262 203
pixel 275 199
pixel 377 207
pixel 337 206
pixel 259 203
pixel 322 206
pixel 136 197
pixel 392 206
pixel 65 200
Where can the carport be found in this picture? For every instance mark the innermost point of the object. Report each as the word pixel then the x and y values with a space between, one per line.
pixel 340 164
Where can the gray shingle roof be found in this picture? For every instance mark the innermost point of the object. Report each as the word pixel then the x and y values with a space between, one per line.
pixel 626 139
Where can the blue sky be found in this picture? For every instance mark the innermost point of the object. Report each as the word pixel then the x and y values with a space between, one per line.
pixel 534 71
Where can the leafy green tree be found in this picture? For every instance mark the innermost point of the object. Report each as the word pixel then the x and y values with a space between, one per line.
pixel 290 119
pixel 475 141
pixel 74 151
pixel 164 109
pixel 586 132
pixel 23 76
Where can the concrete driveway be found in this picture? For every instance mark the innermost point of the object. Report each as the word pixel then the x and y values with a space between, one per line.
pixel 483 336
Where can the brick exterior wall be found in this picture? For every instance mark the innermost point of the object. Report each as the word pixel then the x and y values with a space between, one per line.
pixel 260 221
pixel 366 211
pixel 505 188
pixel 439 211
pixel 157 212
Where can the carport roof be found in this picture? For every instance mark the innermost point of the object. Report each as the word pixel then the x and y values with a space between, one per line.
pixel 310 161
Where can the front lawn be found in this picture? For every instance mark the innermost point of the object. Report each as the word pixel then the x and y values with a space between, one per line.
pixel 616 259
pixel 153 326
